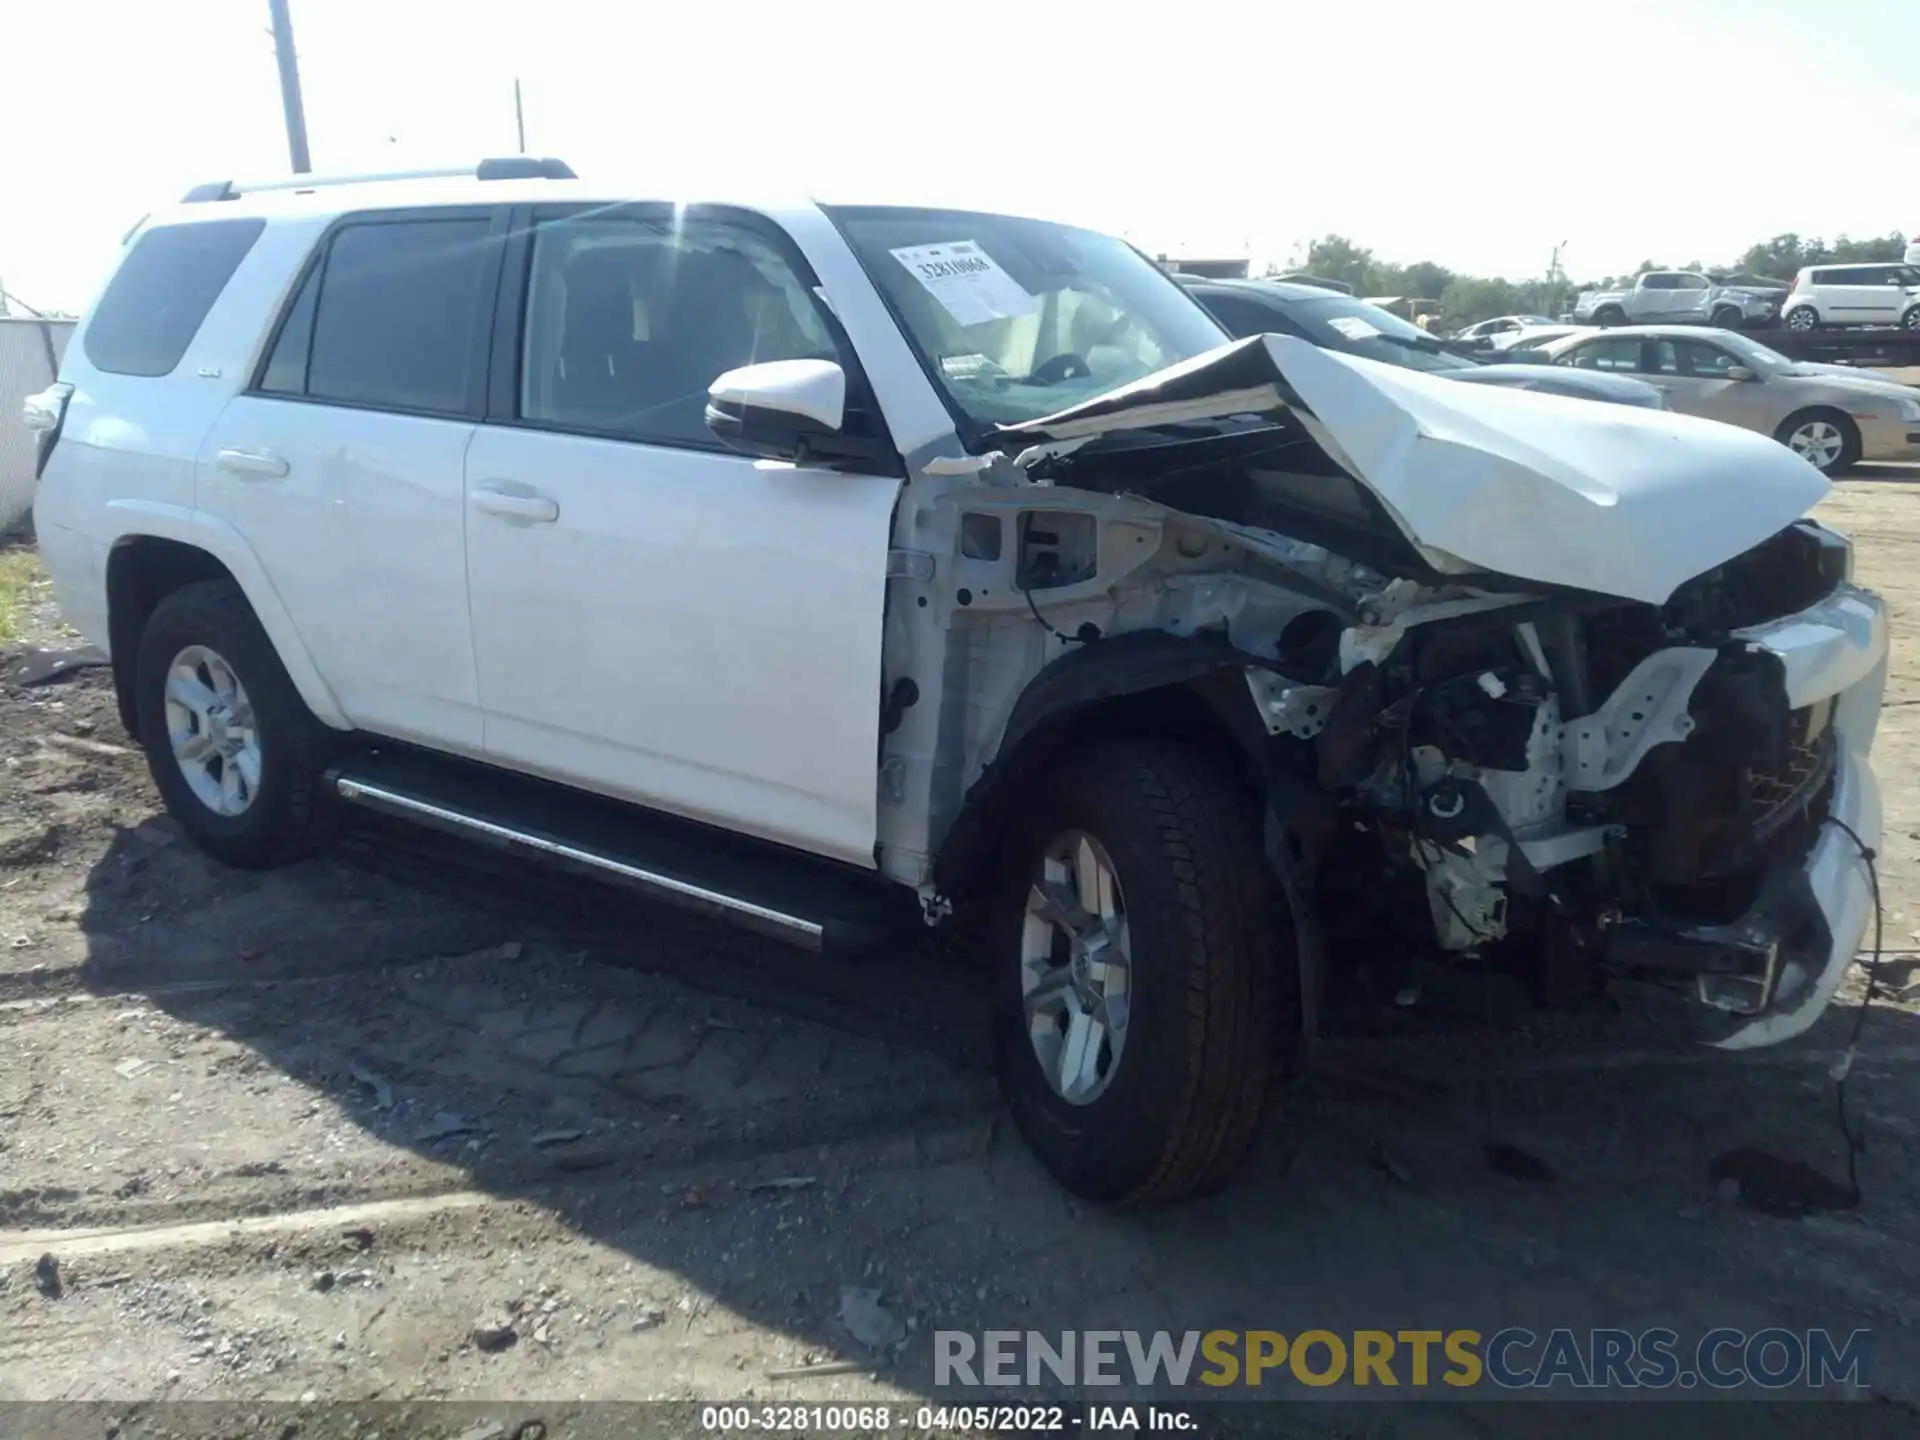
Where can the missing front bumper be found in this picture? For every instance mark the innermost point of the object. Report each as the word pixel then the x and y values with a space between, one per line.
pixel 1738 967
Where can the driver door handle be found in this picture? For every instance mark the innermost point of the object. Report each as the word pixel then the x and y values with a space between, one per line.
pixel 525 509
pixel 252 464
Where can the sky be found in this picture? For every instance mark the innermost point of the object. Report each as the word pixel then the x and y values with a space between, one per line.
pixel 1476 133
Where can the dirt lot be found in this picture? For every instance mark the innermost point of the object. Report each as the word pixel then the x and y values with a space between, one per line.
pixel 406 1123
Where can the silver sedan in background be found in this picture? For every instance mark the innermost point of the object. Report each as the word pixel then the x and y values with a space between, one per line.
pixel 1827 415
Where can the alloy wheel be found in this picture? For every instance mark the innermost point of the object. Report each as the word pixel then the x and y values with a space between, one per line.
pixel 211 729
pixel 1818 442
pixel 1076 968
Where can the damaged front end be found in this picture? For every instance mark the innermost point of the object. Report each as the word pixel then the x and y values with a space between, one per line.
pixel 1581 680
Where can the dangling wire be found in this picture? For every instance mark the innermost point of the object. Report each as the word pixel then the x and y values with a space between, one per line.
pixel 1843 1068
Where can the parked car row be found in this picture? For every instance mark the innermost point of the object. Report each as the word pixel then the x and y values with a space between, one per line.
pixel 1680 297
pixel 1353 327
pixel 1831 415
pixel 1821 296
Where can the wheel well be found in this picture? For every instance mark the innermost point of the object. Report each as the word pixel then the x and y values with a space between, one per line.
pixel 1212 712
pixel 141 572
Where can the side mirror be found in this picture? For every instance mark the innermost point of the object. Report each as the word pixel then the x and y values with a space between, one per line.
pixel 1740 372
pixel 776 408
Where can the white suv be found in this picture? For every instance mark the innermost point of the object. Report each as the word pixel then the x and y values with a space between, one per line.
pixel 1854 295
pixel 835 568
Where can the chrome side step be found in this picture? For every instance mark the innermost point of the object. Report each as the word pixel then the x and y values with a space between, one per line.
pixel 412 807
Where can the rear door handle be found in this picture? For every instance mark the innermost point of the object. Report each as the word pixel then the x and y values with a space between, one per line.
pixel 253 464
pixel 526 509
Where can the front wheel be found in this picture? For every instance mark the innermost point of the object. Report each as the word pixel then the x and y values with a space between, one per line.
pixel 1825 439
pixel 1727 318
pixel 234 751
pixel 1911 320
pixel 1139 974
pixel 1609 315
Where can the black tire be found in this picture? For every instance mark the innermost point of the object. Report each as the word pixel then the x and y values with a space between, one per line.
pixel 1213 975
pixel 1609 315
pixel 1728 317
pixel 1801 320
pixel 1850 447
pixel 288 816
pixel 1911 320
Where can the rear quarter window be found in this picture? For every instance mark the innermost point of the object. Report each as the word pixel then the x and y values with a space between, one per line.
pixel 387 318
pixel 157 299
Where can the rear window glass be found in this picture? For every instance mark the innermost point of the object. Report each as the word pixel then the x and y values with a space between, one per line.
pixel 1241 317
pixel 394 327
pixel 153 307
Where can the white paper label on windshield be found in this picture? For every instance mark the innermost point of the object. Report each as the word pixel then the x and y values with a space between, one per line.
pixel 1352 326
pixel 966 281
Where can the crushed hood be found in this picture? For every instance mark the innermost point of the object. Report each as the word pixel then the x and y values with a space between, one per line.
pixel 1612 499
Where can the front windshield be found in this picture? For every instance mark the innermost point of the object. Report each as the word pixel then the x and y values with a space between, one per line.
pixel 1334 322
pixel 1016 319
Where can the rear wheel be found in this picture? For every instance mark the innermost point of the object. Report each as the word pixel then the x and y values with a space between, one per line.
pixel 1802 319
pixel 1825 439
pixel 234 751
pixel 1138 969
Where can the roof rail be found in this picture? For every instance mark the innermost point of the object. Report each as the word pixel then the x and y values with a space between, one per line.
pixel 506 167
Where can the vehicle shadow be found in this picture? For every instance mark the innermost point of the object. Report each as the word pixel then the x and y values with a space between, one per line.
pixel 768 1128
pixel 1888 473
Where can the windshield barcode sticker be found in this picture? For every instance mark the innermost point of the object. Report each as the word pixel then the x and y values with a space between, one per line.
pixel 967 282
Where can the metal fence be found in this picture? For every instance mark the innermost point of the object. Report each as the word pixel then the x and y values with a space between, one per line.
pixel 30 352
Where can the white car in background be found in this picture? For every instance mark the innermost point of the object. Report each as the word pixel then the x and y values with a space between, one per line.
pixel 1501 331
pixel 1534 336
pixel 1874 294
pixel 1912 256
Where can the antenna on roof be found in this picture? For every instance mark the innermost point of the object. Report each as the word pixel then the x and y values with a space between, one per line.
pixel 519 116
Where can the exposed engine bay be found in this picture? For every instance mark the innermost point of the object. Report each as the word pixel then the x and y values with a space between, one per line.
pixel 1640 768
pixel 1615 785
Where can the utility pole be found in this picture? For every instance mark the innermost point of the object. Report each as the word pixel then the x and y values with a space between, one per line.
pixel 519 116
pixel 290 87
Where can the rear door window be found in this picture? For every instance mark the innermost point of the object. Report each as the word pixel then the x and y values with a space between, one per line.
pixel 1708 362
pixel 388 318
pixel 161 293
pixel 1618 353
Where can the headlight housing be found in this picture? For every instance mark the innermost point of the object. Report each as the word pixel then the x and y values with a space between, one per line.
pixel 1909 410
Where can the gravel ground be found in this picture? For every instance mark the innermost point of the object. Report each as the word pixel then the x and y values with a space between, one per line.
pixel 406 1123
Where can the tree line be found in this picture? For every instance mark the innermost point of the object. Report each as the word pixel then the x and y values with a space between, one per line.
pixel 1468 298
